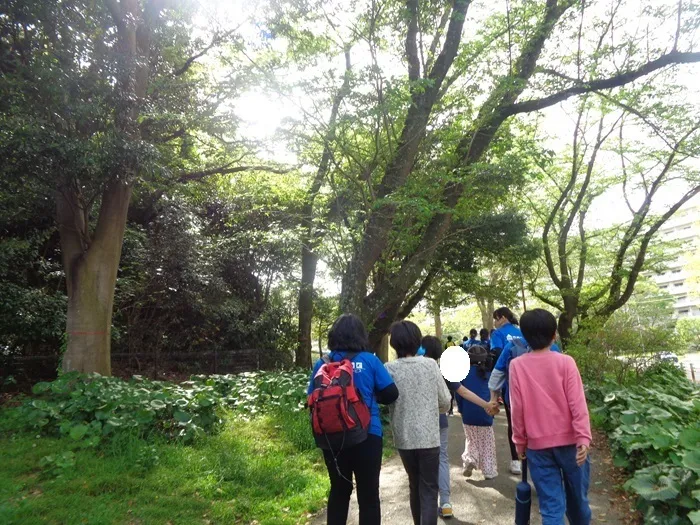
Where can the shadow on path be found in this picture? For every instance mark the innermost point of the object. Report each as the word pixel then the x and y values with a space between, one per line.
pixel 475 500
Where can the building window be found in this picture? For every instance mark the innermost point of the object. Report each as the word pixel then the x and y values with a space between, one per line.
pixel 663 287
pixel 677 285
pixel 676 271
pixel 683 312
pixel 681 298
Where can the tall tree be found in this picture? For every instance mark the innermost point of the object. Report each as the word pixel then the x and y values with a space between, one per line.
pixel 98 98
pixel 595 270
pixel 527 31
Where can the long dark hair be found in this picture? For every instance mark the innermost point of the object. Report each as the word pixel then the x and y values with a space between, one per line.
pixel 348 333
pixel 506 312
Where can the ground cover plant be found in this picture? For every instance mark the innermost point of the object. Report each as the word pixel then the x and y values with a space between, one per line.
pixel 219 449
pixel 654 430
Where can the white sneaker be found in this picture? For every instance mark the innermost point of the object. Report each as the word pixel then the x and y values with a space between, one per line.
pixel 490 476
pixel 515 467
pixel 446 511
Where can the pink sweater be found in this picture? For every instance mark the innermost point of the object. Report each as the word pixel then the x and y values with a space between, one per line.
pixel 548 406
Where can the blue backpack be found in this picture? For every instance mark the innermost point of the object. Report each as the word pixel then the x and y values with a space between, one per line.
pixel 518 347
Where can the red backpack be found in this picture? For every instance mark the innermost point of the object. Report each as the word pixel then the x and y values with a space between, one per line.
pixel 339 416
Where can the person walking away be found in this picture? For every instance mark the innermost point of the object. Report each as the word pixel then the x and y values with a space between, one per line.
pixel 498 383
pixel 449 342
pixel 480 440
pixel 484 338
pixel 464 342
pixel 551 425
pixel 415 419
pixel 433 349
pixel 347 339
pixel 506 325
pixel 472 339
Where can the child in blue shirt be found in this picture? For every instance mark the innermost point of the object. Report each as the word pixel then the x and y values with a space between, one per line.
pixel 480 441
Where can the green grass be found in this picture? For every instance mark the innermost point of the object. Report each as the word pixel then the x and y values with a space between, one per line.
pixel 266 470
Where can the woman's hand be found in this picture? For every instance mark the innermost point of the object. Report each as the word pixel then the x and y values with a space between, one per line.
pixel 581 454
pixel 492 408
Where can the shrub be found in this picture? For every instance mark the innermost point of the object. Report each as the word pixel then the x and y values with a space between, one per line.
pixel 654 430
pixel 90 408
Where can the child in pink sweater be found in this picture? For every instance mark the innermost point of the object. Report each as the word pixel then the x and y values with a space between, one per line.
pixel 551 427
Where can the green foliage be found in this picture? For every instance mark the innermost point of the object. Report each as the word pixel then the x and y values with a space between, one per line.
pixel 91 409
pixel 653 427
pixel 688 335
pixel 622 347
pixel 254 393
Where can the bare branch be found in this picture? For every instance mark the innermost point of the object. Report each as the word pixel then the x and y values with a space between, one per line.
pixel 678 26
pixel 669 59
pixel 615 301
pixel 436 39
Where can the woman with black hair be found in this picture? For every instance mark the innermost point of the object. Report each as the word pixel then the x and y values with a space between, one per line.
pixel 415 419
pixel 506 327
pixel 347 339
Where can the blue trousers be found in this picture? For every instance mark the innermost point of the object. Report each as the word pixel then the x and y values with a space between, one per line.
pixel 562 486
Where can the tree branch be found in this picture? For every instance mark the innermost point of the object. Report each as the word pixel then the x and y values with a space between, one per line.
pixel 546 300
pixel 615 303
pixel 411 44
pixel 672 58
pixel 418 296
pixel 215 41
pixel 227 169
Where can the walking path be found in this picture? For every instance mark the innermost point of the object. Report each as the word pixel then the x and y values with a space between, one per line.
pixel 475 500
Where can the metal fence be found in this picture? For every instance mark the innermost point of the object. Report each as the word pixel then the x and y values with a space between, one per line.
pixel 157 365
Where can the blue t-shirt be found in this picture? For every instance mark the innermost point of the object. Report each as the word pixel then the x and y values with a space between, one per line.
pixel 370 377
pixel 470 342
pixel 502 365
pixel 500 337
pixel 473 414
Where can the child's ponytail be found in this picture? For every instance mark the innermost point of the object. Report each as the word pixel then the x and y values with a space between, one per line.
pixel 506 312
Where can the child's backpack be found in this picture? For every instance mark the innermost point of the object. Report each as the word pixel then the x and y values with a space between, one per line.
pixel 339 416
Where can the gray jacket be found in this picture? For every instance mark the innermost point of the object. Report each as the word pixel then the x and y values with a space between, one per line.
pixel 423 395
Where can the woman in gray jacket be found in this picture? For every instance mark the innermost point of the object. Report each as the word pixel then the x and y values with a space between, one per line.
pixel 415 419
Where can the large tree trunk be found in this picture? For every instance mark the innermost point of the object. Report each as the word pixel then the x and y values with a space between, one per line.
pixel 438 321
pixel 312 236
pixel 306 306
pixel 91 260
pixel 486 310
pixel 383 348
pixel 91 276
pixel 566 319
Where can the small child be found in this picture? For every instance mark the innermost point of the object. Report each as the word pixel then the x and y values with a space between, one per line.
pixel 551 427
pixel 480 441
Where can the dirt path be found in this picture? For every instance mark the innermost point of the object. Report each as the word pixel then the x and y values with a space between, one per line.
pixel 475 500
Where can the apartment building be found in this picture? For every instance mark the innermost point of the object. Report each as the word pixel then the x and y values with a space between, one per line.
pixel 684 226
